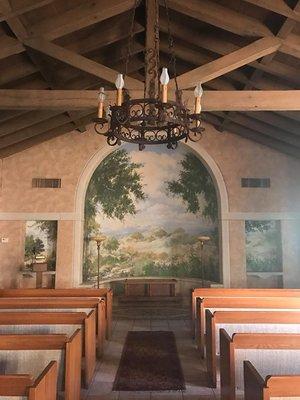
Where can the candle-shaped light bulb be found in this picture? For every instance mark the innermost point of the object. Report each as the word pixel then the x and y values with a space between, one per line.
pixel 198 92
pixel 119 85
pixel 119 81
pixel 164 80
pixel 101 97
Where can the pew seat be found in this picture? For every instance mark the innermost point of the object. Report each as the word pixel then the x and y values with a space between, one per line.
pixel 24 386
pixel 243 322
pixel 30 354
pixel 54 323
pixel 271 353
pixel 258 387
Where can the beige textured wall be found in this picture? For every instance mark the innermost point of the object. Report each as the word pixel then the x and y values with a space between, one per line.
pixel 11 253
pixel 66 157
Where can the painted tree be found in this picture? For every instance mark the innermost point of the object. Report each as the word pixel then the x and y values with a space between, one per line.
pixel 114 189
pixel 33 247
pixel 50 229
pixel 194 183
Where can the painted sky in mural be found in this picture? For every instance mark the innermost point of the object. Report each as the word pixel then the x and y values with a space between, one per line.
pixel 263 246
pixel 158 210
pixel 160 237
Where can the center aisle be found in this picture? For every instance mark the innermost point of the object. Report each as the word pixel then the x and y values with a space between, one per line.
pixel 192 365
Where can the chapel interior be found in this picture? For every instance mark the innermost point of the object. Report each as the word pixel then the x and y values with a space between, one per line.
pixel 149 200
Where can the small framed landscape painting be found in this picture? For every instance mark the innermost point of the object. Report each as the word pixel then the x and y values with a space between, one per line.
pixel 40 243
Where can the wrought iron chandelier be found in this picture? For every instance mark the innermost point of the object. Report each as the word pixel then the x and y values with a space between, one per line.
pixel 153 119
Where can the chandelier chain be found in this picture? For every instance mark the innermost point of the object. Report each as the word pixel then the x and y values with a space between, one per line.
pixel 130 38
pixel 171 46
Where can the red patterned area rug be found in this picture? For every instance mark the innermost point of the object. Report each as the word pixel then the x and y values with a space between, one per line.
pixel 149 362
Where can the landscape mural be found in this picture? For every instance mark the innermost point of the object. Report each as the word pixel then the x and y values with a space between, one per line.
pixel 40 242
pixel 151 206
pixel 263 246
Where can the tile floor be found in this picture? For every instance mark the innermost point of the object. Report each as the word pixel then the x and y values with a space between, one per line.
pixel 193 366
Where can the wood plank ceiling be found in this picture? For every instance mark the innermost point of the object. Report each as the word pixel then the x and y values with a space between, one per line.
pixel 79 44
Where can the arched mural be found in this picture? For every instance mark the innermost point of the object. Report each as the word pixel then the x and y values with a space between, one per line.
pixel 151 206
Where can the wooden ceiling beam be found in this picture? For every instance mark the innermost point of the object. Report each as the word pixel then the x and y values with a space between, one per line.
pixel 79 62
pixel 24 121
pixel 211 42
pixel 267 64
pixel 253 100
pixel 10 46
pixel 263 128
pixel 17 120
pixel 277 6
pixel 219 46
pixel 21 33
pixel 222 17
pixel 279 121
pixel 104 36
pixel 41 127
pixel 40 138
pixel 229 62
pixel 28 5
pixel 291 45
pixel 253 136
pixel 87 13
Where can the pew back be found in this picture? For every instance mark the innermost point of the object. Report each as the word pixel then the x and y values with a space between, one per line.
pixel 53 323
pixel 244 322
pixel 218 304
pixel 63 304
pixel 31 353
pixel 280 386
pixel 72 292
pixel 276 354
pixel 24 386
pixel 15 385
pixel 236 292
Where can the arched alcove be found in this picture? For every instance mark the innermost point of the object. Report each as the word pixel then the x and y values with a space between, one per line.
pixel 221 192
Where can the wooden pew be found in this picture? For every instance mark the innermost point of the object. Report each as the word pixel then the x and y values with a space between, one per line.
pixel 201 293
pixel 42 388
pixel 52 323
pixel 63 304
pixel 259 348
pixel 29 353
pixel 105 293
pixel 241 322
pixel 240 303
pixel 258 388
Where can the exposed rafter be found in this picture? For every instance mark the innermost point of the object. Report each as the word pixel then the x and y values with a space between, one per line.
pixel 78 61
pixel 253 100
pixel 277 6
pixel 8 12
pixel 230 62
pixel 222 17
pixel 81 45
pixel 87 13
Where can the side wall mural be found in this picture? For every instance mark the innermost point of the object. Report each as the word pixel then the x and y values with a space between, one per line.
pixel 263 254
pixel 151 206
